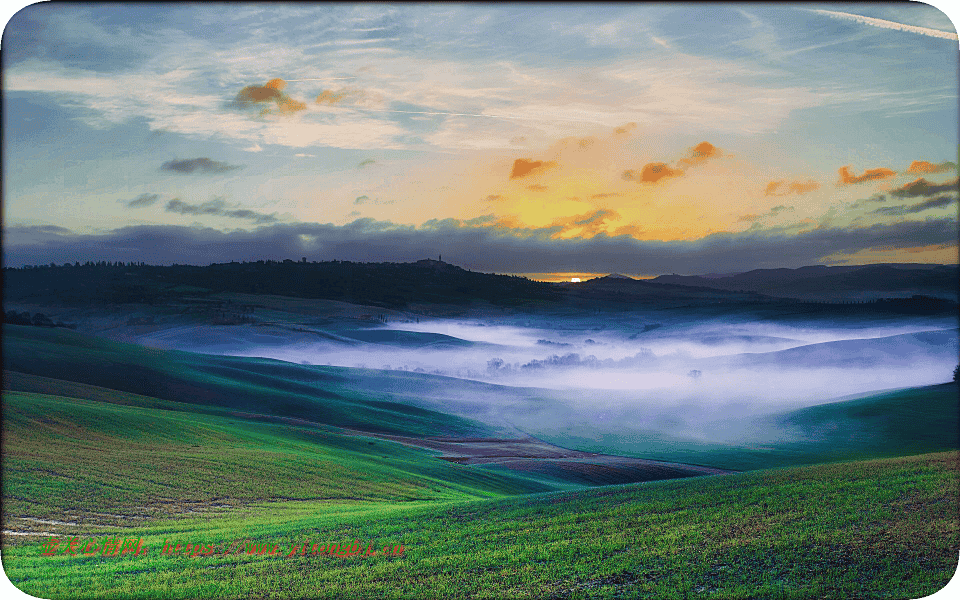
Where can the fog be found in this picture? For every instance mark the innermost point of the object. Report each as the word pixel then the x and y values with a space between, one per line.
pixel 661 359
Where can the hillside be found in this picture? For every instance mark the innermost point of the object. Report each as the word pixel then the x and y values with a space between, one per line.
pixel 833 283
pixel 876 425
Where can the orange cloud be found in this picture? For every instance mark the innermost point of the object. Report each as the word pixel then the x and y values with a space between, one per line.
pixel 258 93
pixel 651 173
pixel 869 175
pixel 794 187
pixel 588 224
pixel 699 154
pixel 922 166
pixel 270 92
pixel 331 97
pixel 537 188
pixel 625 128
pixel 523 167
pixel 631 230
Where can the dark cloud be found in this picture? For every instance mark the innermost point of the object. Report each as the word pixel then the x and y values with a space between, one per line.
pixel 776 210
pixel 651 173
pixel 846 178
pixel 218 207
pixel 523 167
pixel 142 200
pixel 922 166
pixel 361 199
pixel 481 246
pixel 922 187
pixel 196 165
pixel 366 163
pixel 938 202
pixel 37 229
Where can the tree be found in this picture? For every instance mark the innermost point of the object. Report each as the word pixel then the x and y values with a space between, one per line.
pixel 956 373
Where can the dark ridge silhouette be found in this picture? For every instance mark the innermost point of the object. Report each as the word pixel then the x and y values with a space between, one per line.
pixel 825 290
pixel 823 282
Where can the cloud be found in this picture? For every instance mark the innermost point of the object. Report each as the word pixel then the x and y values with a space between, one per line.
pixel 922 166
pixel 623 129
pixel 651 173
pixel 537 188
pixel 217 207
pixel 887 24
pixel 922 187
pixel 330 97
pixel 846 178
pixel 196 165
pixel 364 199
pixel 142 200
pixel 254 95
pixel 776 210
pixel 366 163
pixel 585 225
pixel 606 195
pixel 523 167
pixel 782 188
pixel 494 198
pixel 654 172
pixel 699 154
pixel 938 202
pixel 485 247
pixel 38 229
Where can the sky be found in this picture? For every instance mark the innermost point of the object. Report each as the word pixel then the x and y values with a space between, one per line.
pixel 552 140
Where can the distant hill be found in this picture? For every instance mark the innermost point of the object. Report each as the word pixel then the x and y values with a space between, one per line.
pixel 392 285
pixel 821 282
pixel 433 282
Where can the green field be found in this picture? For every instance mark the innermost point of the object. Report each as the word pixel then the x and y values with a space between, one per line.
pixel 101 449
pixel 882 424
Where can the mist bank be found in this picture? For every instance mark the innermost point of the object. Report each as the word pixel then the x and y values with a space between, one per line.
pixel 681 413
pixel 661 357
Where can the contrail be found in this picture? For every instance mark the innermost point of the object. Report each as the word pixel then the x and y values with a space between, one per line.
pixel 453 114
pixel 888 24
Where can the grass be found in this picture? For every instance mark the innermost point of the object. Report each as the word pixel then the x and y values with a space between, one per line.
pixel 871 529
pixel 120 462
pixel 271 387
pixel 69 456
pixel 886 424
